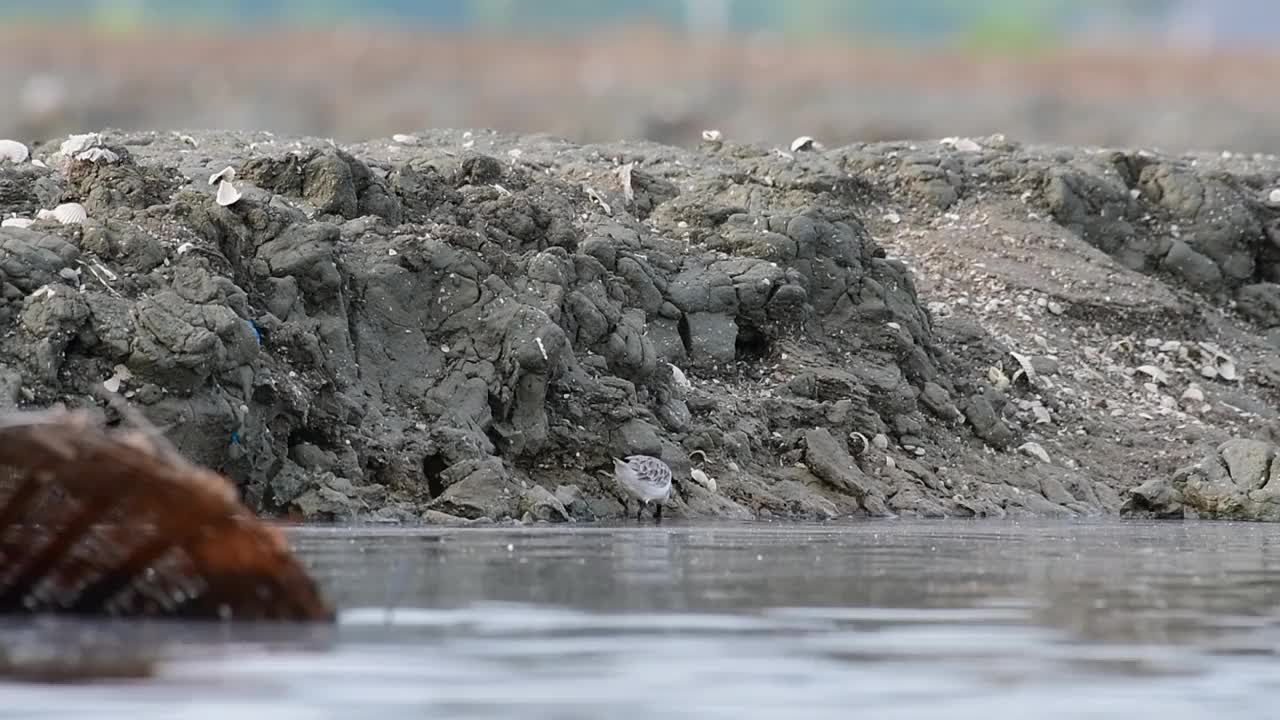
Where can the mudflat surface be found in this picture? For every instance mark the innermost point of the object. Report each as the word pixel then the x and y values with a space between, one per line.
pixel 949 619
pixel 638 84
pixel 459 326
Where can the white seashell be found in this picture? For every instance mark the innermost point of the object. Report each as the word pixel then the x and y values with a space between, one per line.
pixel 1034 450
pixel 227 194
pixel 97 154
pixel 227 173
pixel 70 213
pixel 1025 368
pixel 44 214
pixel 864 443
pixel 681 380
pixel 405 139
pixel 703 479
pixel 997 378
pixel 79 143
pixel 185 248
pixel 13 151
pixel 804 142
pixel 16 222
pixel 1227 371
pixel 711 135
pixel 39 163
pixel 112 384
pixel 1160 376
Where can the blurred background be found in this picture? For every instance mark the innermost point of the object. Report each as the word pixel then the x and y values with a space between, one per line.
pixel 1167 74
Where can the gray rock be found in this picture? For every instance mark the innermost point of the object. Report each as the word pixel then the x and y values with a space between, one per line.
pixel 538 502
pixel 1261 301
pixel 986 423
pixel 831 462
pixel 575 503
pixel 1054 491
pixel 478 489
pixel 938 401
pixel 30 260
pixel 1234 482
pixel 10 388
pixel 712 337
pixel 636 437
pixel 1195 268
pixel 1157 497
pixel 1248 461
pixel 1044 365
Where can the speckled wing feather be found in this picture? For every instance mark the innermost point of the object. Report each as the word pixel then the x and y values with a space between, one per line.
pixel 113 523
pixel 651 472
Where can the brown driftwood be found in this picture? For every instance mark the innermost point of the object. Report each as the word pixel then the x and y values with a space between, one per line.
pixel 115 523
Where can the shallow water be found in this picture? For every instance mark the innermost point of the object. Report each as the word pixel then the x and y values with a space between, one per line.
pixel 888 619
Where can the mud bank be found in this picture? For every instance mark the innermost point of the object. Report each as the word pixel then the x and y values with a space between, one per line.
pixel 457 326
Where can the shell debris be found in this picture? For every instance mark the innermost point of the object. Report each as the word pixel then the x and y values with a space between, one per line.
pixel 863 443
pixel 712 135
pixel 681 380
pixel 98 154
pixel 120 375
pixel 962 144
pixel 803 143
pixel 79 143
pixel 703 479
pixel 227 173
pixel 71 213
pixel 405 139
pixel 227 195
pixel 13 151
pixel 17 222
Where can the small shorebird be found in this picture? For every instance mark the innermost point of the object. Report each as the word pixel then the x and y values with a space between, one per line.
pixel 646 478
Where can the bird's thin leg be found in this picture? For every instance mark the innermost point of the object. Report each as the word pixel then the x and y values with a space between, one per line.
pixel 657 514
pixel 640 511
pixel 626 507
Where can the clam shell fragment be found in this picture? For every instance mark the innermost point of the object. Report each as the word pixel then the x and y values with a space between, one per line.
pixel 79 143
pixel 804 142
pixel 98 154
pixel 13 151
pixel 72 213
pixel 703 479
pixel 16 222
pixel 227 173
pixel 227 194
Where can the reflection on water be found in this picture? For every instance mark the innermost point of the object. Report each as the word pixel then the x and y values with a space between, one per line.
pixel 897 619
